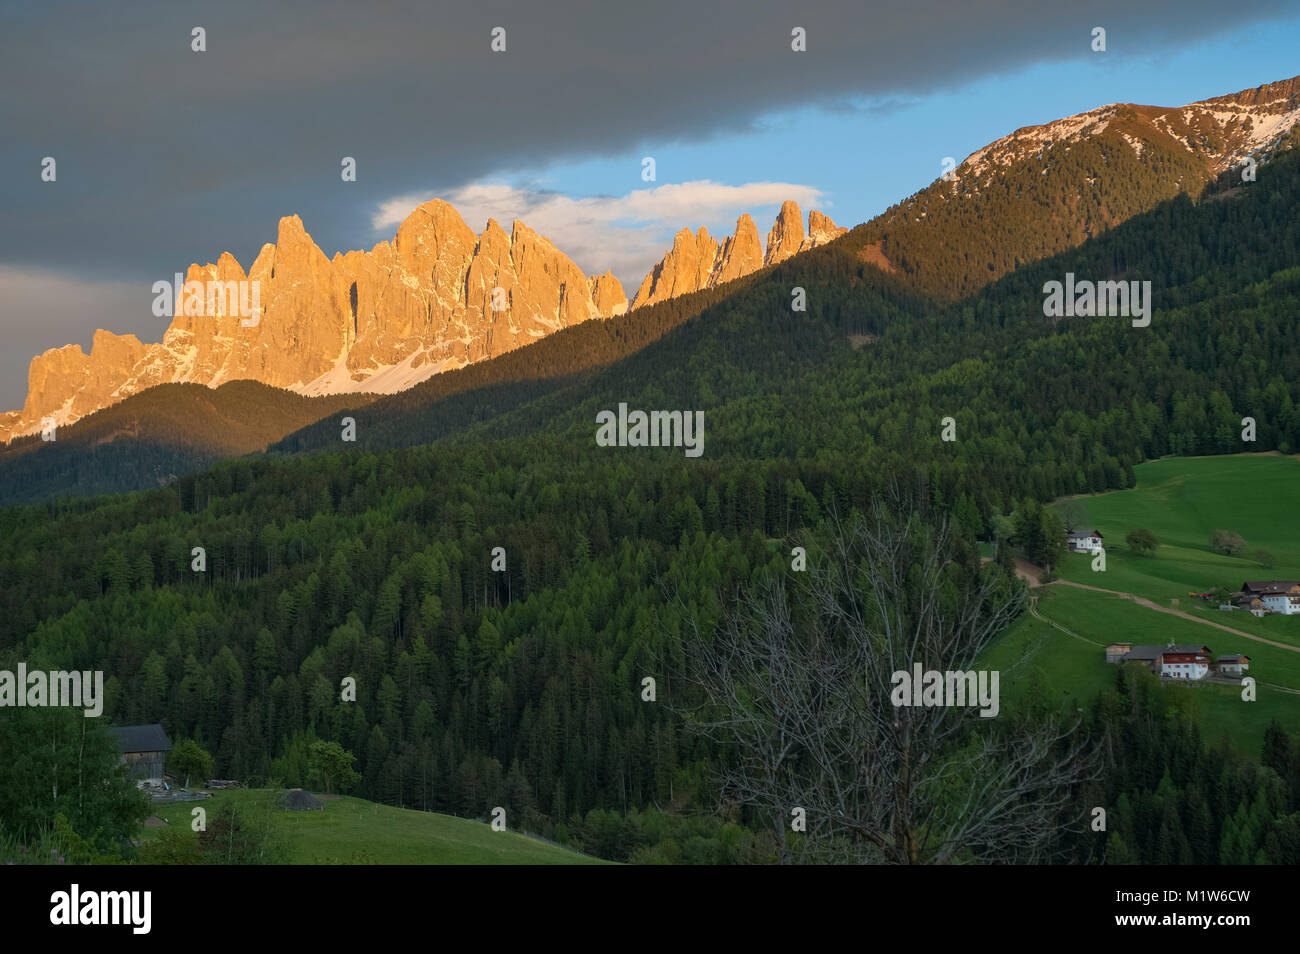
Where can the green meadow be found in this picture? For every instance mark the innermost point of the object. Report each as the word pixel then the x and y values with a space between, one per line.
pixel 1072 666
pixel 1181 501
pixel 354 831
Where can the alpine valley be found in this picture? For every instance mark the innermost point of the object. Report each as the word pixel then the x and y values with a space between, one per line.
pixel 521 605
pixel 414 316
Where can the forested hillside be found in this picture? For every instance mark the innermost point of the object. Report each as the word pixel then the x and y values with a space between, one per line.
pixel 523 687
pixel 155 436
pixel 1039 206
pixel 1041 193
pixel 1041 408
pixel 175 429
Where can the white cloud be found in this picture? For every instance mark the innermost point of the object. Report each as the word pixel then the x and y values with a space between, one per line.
pixel 626 234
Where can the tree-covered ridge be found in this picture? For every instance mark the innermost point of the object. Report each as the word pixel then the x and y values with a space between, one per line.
pixel 573 358
pixel 156 435
pixel 954 237
pixel 1171 799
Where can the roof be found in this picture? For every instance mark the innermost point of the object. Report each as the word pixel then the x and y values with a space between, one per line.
pixel 1270 587
pixel 298 800
pixel 1084 533
pixel 1153 653
pixel 142 738
pixel 1231 657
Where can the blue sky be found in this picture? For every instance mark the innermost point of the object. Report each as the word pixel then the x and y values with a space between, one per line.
pixel 863 156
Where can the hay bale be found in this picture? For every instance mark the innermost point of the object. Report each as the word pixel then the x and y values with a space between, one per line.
pixel 300 800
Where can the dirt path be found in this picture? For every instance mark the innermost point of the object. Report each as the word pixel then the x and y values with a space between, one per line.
pixel 1029 573
pixel 1143 601
pixel 1025 570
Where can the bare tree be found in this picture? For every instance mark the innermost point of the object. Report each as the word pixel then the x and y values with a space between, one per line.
pixel 800 685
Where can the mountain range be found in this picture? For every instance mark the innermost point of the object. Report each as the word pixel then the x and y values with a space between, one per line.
pixel 436 297
pixel 413 318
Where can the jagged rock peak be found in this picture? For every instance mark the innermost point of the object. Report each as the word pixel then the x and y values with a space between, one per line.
pixel 786 236
pixel 697 261
pixel 435 297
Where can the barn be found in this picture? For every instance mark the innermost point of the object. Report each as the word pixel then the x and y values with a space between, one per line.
pixel 1234 664
pixel 144 749
pixel 1116 652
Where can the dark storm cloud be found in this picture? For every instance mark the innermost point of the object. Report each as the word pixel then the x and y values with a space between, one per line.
pixel 167 156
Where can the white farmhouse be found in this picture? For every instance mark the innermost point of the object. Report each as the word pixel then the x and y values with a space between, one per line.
pixel 1193 664
pixel 1168 662
pixel 1083 541
pixel 1276 596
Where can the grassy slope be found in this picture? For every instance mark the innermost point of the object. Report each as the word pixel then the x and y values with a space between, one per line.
pixel 1181 501
pixel 351 830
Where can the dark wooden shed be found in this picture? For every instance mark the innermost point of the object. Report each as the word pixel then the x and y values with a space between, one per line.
pixel 144 749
